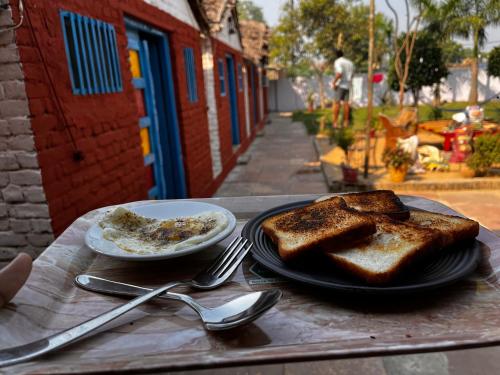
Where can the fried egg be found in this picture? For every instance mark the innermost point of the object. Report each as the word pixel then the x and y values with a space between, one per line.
pixel 141 235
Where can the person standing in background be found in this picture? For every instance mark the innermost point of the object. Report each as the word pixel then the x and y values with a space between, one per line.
pixel 344 69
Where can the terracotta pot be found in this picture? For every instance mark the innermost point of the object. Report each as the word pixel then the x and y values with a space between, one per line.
pixel 466 172
pixel 350 174
pixel 397 174
pixel 310 107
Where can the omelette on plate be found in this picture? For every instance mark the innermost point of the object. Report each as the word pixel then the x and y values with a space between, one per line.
pixel 141 235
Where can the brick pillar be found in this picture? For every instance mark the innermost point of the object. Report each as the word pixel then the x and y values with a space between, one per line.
pixel 24 214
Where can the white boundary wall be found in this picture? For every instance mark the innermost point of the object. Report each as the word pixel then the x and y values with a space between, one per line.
pixel 287 95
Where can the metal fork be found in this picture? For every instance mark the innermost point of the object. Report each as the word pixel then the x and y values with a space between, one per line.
pixel 210 278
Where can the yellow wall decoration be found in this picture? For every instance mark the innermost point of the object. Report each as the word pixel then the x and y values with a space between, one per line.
pixel 146 148
pixel 135 66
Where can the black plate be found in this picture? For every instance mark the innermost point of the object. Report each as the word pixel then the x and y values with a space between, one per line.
pixel 447 268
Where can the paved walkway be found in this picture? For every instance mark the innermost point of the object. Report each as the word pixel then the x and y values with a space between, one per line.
pixel 283 161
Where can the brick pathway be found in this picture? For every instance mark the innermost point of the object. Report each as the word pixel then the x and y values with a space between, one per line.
pixel 281 162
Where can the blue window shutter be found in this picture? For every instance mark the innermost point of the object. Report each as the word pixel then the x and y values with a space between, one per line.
pixel 92 54
pixel 222 79
pixel 190 70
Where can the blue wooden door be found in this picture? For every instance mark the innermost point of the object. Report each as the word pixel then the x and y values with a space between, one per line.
pixel 233 99
pixel 155 97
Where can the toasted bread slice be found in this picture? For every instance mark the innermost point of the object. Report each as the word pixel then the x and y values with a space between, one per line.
pixel 327 223
pixel 377 202
pixel 395 246
pixel 453 229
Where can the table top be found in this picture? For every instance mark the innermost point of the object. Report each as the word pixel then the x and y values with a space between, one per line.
pixel 307 324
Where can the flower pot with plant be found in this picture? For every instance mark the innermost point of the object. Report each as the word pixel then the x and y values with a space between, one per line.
pixel 397 162
pixel 486 152
pixel 344 138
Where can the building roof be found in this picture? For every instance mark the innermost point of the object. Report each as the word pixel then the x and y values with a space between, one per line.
pixel 255 40
pixel 200 15
pixel 215 10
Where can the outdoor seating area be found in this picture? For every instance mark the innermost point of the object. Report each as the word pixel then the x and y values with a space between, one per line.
pixel 219 187
pixel 441 150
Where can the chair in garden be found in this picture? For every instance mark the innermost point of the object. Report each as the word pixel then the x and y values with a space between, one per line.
pixel 393 131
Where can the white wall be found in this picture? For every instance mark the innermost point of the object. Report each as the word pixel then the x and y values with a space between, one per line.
pixel 178 8
pixel 213 124
pixel 224 36
pixel 287 94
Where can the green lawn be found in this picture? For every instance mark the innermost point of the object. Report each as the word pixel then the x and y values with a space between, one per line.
pixel 425 112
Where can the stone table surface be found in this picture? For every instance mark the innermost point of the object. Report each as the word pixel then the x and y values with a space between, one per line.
pixel 307 324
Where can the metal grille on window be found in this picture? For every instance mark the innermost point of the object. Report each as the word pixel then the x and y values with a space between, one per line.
pixel 92 54
pixel 222 80
pixel 190 74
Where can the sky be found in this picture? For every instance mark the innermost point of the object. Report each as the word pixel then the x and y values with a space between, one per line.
pixel 272 9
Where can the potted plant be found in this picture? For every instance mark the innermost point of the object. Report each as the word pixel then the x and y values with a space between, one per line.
pixel 344 138
pixel 310 101
pixel 486 153
pixel 397 162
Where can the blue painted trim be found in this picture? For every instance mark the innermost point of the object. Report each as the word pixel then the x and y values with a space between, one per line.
pixel 151 109
pixel 98 58
pixel 91 39
pixel 109 57
pixel 144 122
pixel 190 69
pixel 106 86
pixel 153 193
pixel 163 114
pixel 116 64
pixel 149 159
pixel 63 16
pixel 92 68
pixel 132 43
pixel 233 101
pixel 222 79
pixel 81 90
pixel 85 63
pixel 130 23
pixel 139 83
pixel 167 117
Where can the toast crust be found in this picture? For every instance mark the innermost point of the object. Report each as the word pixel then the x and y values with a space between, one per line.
pixel 377 202
pixel 318 225
pixel 420 243
pixel 453 229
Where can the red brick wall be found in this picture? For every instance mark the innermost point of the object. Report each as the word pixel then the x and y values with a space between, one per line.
pixel 105 126
pixel 220 50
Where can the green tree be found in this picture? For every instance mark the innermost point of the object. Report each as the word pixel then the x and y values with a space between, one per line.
pixel 494 62
pixel 325 20
pixel 248 10
pixel 427 66
pixel 469 18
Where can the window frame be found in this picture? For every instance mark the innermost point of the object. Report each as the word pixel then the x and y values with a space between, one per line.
pixel 240 76
pixel 222 77
pixel 190 70
pixel 91 54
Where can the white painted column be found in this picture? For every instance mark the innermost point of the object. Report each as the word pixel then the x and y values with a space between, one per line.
pixel 213 124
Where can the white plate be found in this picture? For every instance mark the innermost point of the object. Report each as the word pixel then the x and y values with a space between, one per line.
pixel 163 211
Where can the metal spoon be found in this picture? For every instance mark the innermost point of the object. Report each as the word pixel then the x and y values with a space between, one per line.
pixel 236 312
